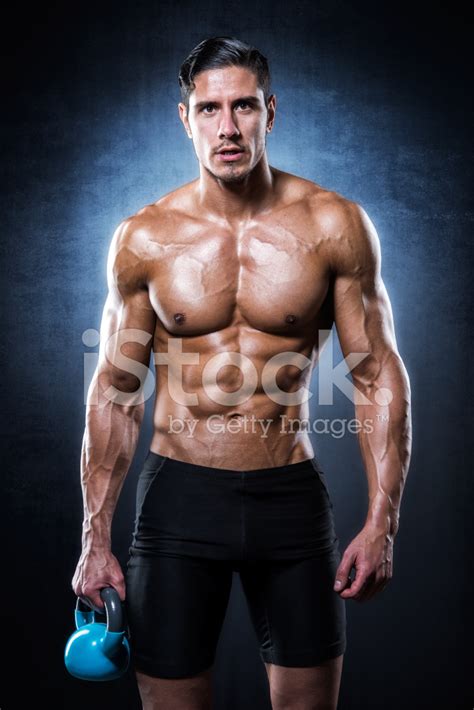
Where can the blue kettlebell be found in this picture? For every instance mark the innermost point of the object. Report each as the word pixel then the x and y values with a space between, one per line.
pixel 97 651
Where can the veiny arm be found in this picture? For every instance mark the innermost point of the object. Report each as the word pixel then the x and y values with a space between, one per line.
pixel 364 323
pixel 114 412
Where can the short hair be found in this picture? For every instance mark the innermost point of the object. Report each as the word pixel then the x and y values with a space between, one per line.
pixel 217 52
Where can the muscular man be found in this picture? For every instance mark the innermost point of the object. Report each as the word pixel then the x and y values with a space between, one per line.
pixel 228 282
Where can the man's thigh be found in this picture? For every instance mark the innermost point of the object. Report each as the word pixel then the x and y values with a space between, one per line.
pixel 312 688
pixel 299 620
pixel 175 610
pixel 193 693
pixel 300 623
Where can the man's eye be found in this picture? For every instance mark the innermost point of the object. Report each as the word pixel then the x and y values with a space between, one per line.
pixel 211 107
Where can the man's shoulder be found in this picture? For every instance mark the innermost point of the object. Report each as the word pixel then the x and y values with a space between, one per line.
pixel 339 216
pixel 327 206
pixel 155 220
pixel 330 208
pixel 339 224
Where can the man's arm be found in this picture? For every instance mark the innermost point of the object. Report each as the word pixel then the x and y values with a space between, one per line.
pixel 364 323
pixel 114 412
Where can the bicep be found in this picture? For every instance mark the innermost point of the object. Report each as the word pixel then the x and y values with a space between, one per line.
pixel 362 310
pixel 127 324
pixel 363 315
pixel 126 337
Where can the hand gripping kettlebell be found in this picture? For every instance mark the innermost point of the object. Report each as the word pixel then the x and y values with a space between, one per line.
pixel 97 651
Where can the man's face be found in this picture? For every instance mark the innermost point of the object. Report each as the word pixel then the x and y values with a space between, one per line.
pixel 227 110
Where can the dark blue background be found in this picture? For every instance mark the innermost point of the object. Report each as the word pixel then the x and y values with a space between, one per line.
pixel 371 102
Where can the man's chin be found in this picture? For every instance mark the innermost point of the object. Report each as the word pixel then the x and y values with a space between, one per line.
pixel 231 176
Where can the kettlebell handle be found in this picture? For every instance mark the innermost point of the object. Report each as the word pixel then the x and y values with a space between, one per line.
pixel 113 608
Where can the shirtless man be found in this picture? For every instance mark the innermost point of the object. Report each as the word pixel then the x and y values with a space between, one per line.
pixel 243 264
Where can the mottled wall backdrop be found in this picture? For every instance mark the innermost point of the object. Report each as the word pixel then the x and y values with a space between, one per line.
pixel 372 103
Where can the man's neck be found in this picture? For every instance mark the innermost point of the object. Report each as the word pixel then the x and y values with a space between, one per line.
pixel 236 201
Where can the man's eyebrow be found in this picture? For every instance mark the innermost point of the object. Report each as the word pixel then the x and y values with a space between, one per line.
pixel 249 99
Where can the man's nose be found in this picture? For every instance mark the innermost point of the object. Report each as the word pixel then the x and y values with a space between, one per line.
pixel 228 126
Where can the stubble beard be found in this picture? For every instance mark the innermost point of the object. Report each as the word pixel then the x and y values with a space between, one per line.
pixel 230 176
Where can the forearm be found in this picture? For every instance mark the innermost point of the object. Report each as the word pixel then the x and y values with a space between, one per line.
pixel 385 442
pixel 108 446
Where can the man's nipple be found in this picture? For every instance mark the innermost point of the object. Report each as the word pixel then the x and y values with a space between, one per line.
pixel 179 318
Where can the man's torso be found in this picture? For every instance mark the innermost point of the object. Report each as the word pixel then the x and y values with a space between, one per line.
pixel 236 294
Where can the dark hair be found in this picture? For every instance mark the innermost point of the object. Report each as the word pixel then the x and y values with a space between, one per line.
pixel 217 52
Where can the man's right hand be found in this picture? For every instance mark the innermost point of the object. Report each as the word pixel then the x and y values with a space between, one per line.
pixel 97 568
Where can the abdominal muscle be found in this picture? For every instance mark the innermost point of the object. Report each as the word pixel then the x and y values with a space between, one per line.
pixel 222 398
pixel 259 433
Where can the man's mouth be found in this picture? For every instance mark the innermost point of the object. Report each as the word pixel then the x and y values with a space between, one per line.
pixel 229 155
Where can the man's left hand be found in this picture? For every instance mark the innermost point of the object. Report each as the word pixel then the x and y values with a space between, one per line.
pixel 371 553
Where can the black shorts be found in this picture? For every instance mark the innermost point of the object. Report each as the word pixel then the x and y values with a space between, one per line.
pixel 194 527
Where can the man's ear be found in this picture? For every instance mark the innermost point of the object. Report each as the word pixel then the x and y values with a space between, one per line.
pixel 183 114
pixel 271 112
